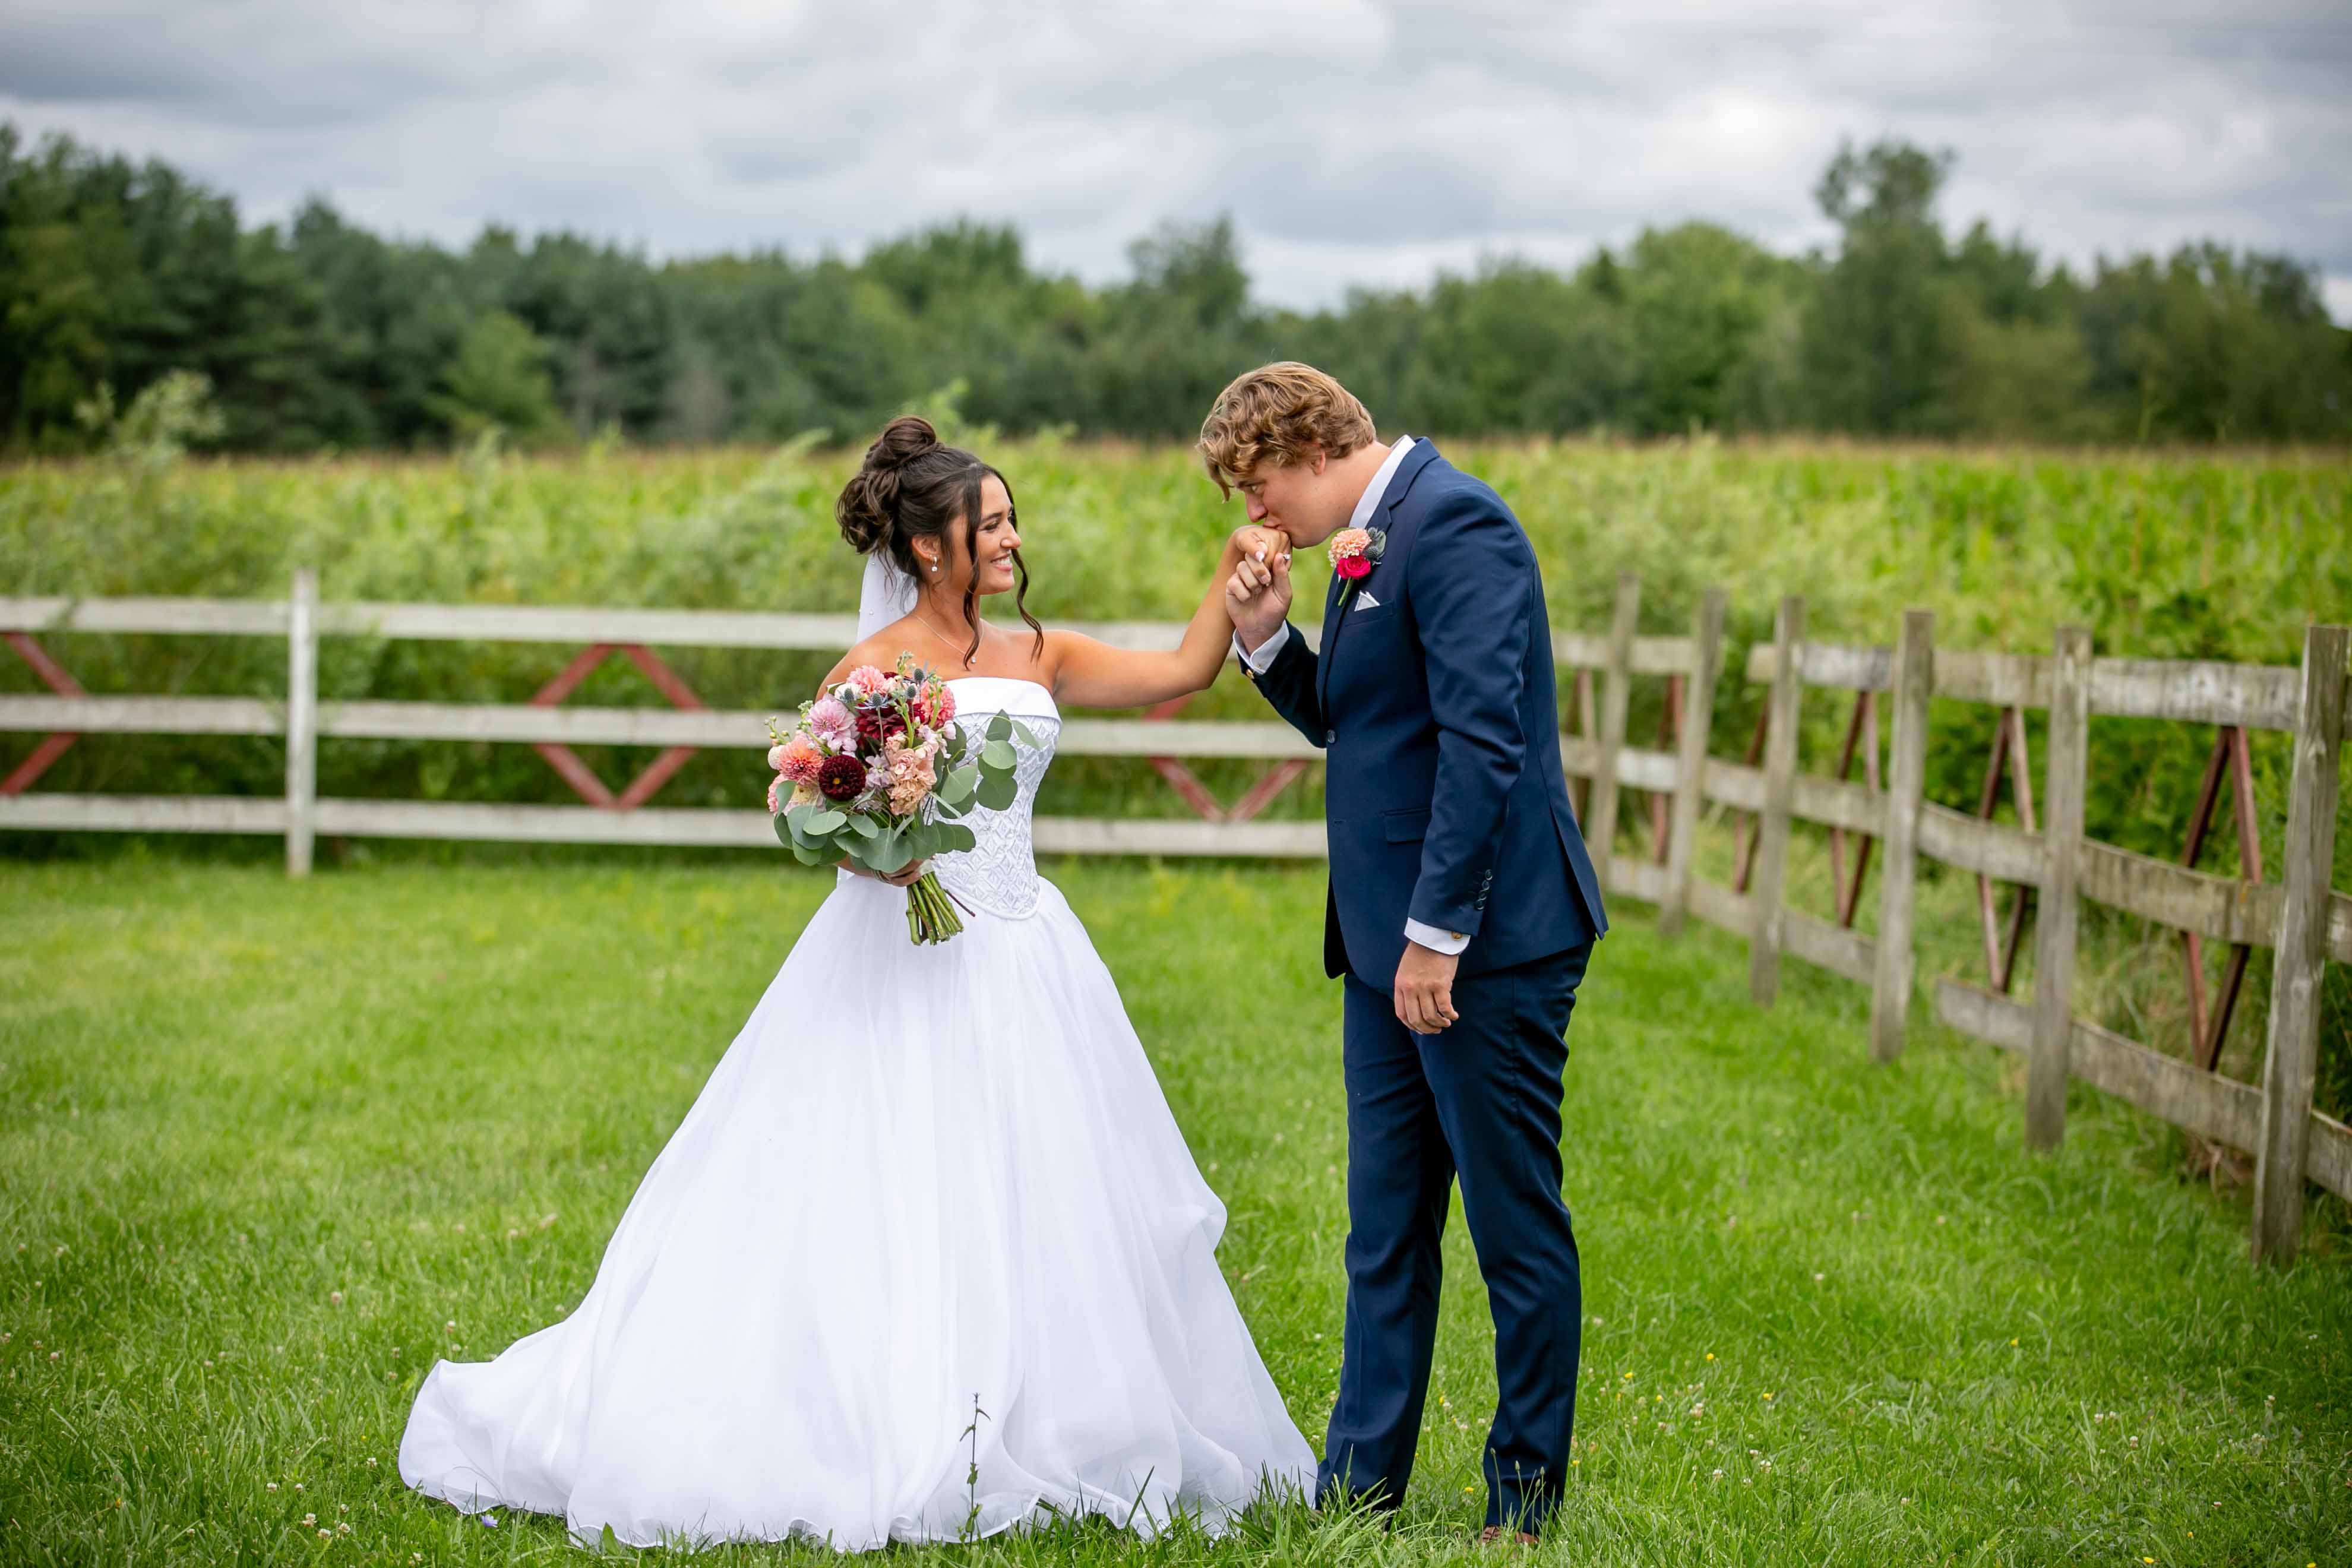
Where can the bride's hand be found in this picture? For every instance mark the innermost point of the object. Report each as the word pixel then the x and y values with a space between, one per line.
pixel 904 877
pixel 1258 595
pixel 1255 541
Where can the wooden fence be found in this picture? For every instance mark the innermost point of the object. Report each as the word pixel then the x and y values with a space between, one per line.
pixel 2300 918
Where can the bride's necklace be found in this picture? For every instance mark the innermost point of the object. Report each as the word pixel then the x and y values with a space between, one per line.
pixel 932 626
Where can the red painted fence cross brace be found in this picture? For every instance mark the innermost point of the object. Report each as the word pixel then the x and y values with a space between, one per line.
pixel 567 763
pixel 1196 795
pixel 21 777
pixel 2229 751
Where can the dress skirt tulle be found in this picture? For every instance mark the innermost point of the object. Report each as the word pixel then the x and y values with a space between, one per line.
pixel 920 1178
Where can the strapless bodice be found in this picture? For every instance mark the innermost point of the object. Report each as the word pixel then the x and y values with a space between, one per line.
pixel 999 874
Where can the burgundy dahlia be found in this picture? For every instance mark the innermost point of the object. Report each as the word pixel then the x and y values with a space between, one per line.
pixel 841 778
pixel 878 725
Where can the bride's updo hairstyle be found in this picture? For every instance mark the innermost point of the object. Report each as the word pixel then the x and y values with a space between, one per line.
pixel 912 485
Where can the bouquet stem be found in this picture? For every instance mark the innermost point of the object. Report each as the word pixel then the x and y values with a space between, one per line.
pixel 931 911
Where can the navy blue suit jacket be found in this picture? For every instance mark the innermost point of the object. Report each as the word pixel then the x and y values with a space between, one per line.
pixel 1434 695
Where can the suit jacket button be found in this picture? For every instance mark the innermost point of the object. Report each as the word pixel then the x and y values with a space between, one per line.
pixel 1330 737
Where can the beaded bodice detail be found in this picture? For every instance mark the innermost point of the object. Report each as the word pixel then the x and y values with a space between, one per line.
pixel 999 874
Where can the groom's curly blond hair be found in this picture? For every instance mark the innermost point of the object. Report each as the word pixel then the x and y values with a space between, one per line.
pixel 1276 415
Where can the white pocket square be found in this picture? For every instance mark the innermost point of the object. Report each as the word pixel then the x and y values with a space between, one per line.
pixel 1364 601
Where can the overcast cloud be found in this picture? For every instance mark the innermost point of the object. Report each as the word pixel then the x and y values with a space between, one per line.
pixel 1353 142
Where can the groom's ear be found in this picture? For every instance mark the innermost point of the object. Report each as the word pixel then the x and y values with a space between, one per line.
pixel 1320 459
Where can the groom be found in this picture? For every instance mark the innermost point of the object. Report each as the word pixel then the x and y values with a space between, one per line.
pixel 1461 914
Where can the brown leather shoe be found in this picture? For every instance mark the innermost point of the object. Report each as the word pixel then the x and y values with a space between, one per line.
pixel 1496 1535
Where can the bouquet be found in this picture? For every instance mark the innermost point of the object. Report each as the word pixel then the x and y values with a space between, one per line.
pixel 876 771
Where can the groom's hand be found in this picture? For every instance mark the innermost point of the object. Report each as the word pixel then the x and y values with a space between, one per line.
pixel 1424 989
pixel 1257 595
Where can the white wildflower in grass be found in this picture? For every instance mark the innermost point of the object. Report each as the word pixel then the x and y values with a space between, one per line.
pixel 334 1298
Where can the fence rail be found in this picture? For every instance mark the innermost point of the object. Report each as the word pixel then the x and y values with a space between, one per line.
pixel 2299 916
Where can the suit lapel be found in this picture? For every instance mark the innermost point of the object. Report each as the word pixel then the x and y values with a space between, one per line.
pixel 1331 619
pixel 1334 618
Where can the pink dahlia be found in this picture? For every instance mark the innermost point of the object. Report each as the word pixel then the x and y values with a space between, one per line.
pixel 799 761
pixel 776 795
pixel 831 721
pixel 869 679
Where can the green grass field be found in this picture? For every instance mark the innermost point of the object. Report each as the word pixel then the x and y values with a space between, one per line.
pixel 260 1142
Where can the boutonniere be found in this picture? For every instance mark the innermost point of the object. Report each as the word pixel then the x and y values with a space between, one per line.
pixel 1354 552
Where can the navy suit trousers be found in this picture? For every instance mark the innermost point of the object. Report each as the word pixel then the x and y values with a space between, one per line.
pixel 1480 1102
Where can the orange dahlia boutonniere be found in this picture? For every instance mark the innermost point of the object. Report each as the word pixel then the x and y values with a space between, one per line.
pixel 1354 552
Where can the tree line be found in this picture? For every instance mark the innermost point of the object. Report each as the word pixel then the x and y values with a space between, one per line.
pixel 318 335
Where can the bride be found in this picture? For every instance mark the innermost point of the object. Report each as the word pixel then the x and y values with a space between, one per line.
pixel 927 1258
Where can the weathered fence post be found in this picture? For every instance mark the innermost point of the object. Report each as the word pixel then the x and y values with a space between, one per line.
pixel 302 720
pixel 1764 890
pixel 2290 1058
pixel 1898 875
pixel 2067 758
pixel 1690 763
pixel 1600 833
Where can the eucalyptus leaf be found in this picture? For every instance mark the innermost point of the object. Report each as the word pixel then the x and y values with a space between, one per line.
pixel 999 791
pixel 863 825
pixel 824 822
pixel 889 855
pixel 1000 727
pixel 1025 735
pixel 956 788
pixel 999 754
pixel 955 837
pixel 807 856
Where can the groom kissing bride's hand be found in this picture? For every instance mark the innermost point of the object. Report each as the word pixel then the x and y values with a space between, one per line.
pixel 1462 904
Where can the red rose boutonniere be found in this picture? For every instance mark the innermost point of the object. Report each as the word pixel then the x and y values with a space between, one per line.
pixel 1354 552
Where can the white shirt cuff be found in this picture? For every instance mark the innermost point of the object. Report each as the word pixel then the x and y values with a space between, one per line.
pixel 1436 940
pixel 1260 661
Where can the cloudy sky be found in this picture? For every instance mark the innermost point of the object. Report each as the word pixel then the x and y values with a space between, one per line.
pixel 1352 140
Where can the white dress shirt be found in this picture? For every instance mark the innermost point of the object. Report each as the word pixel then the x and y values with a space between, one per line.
pixel 1262 657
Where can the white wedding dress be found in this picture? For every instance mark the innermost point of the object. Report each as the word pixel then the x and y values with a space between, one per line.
pixel 920 1178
